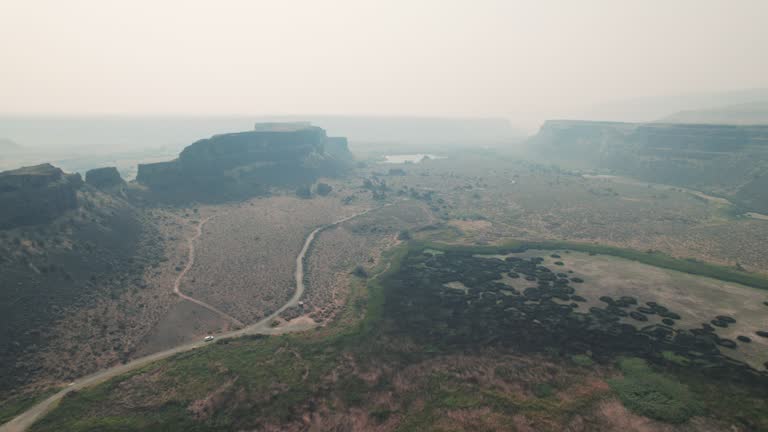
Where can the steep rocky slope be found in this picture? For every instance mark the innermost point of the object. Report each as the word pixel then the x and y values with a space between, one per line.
pixel 64 246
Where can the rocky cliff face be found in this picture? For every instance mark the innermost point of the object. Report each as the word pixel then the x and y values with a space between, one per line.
pixel 36 194
pixel 104 178
pixel 238 164
pixel 726 160
pixel 338 147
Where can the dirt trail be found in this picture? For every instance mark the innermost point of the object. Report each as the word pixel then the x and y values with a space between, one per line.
pixel 190 263
pixel 25 420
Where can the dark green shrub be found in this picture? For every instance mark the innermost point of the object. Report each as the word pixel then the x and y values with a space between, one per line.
pixel 654 395
pixel 360 272
pixel 323 189
pixel 304 192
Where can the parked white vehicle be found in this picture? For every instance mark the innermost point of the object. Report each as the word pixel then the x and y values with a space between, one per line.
pixel 208 338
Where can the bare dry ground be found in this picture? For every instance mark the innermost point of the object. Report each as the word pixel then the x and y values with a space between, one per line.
pixel 198 323
pixel 246 255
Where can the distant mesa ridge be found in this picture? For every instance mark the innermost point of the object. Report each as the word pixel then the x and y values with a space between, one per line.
pixel 235 164
pixel 36 194
pixel 753 113
pixel 727 160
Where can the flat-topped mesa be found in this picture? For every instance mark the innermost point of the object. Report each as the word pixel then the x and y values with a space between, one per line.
pixel 571 135
pixel 104 178
pixel 227 151
pixel 36 194
pixel 235 163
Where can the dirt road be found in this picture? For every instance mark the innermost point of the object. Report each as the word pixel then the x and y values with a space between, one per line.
pixel 27 418
pixel 190 263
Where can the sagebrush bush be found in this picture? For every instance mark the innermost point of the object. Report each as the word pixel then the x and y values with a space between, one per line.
pixel 654 395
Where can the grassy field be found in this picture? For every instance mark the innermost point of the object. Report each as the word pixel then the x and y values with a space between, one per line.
pixel 12 407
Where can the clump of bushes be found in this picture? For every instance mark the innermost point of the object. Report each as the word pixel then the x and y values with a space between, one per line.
pixel 360 272
pixel 654 395
pixel 304 192
pixel 582 360
pixel 323 189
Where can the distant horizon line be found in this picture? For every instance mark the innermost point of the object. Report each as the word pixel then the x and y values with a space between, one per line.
pixel 180 115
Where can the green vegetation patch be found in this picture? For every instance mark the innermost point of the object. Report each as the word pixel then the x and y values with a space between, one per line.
pixel 654 395
pixel 12 407
pixel 582 360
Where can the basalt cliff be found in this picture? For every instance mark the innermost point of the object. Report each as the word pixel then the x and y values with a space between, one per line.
pixel 242 164
pixel 36 194
pixel 725 160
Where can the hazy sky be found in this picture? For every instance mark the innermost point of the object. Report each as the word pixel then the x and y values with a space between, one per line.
pixel 478 57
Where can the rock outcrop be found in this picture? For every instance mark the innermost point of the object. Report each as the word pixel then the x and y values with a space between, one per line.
pixel 724 160
pixel 36 194
pixel 240 164
pixel 104 178
pixel 338 147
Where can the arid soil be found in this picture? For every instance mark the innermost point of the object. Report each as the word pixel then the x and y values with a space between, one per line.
pixel 246 254
pixel 358 242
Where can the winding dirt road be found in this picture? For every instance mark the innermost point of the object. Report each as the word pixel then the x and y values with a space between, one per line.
pixel 23 421
pixel 190 263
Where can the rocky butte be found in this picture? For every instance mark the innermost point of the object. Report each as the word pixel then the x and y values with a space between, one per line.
pixel 104 178
pixel 36 194
pixel 237 165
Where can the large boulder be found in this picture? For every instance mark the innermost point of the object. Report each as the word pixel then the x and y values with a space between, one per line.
pixel 104 178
